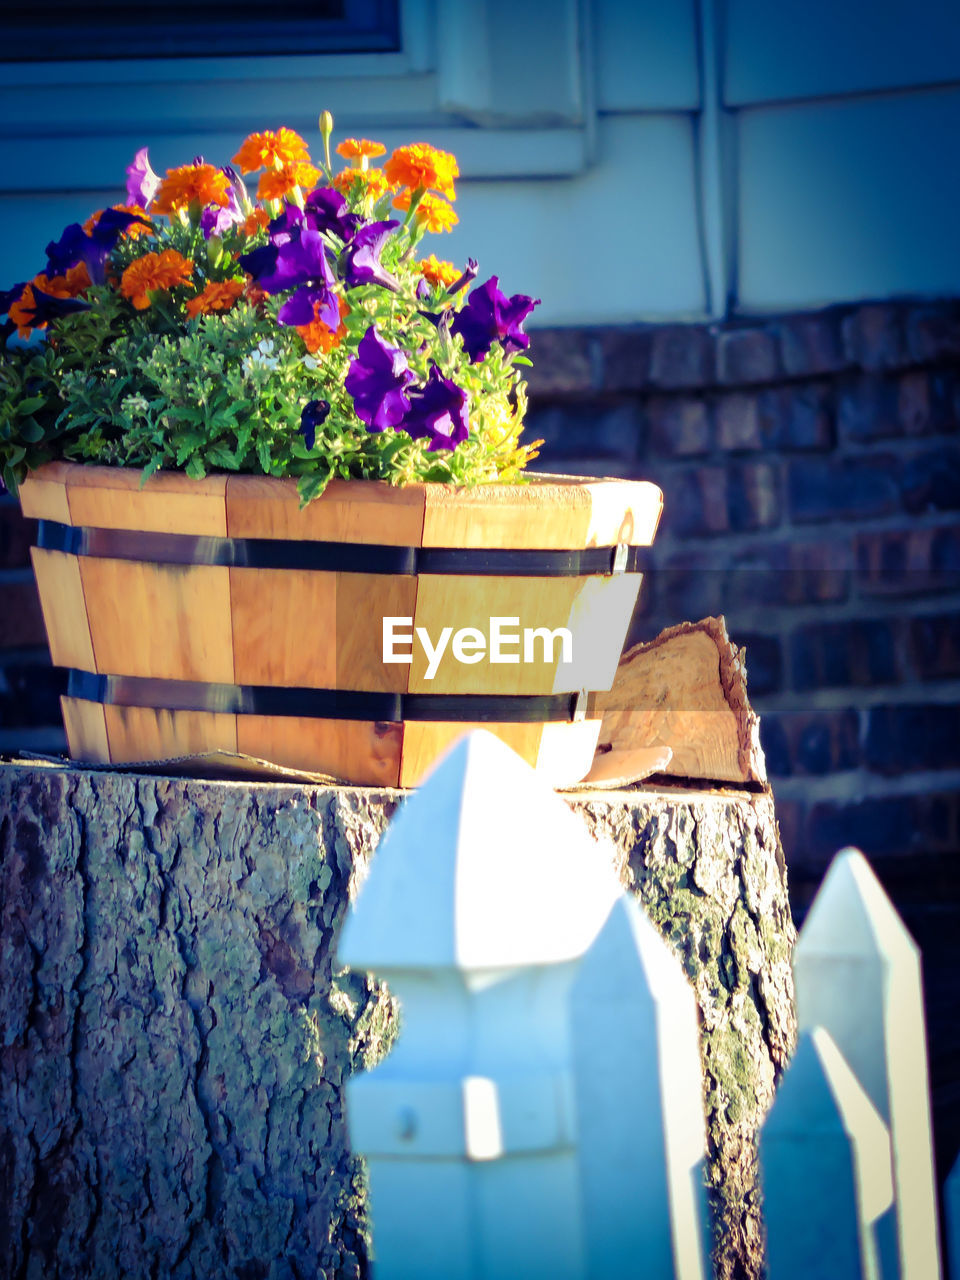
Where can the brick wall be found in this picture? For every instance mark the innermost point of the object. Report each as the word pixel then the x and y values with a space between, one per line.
pixel 811 474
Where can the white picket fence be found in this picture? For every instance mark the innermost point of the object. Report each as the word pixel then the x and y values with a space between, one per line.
pixel 502 1134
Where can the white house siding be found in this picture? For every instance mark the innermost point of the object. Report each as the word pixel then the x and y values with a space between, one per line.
pixel 623 160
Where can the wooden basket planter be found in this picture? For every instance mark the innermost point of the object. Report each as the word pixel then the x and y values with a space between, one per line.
pixel 194 615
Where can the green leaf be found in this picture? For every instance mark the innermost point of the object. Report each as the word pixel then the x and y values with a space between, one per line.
pixel 31 430
pixel 31 404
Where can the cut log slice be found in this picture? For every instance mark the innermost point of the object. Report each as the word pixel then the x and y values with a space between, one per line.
pixel 686 691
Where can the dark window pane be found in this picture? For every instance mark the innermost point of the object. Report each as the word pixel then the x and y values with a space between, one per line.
pixel 121 29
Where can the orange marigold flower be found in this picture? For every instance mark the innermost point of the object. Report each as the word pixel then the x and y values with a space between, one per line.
pixel 256 221
pixel 191 184
pixel 437 272
pixel 217 295
pixel 420 165
pixel 66 286
pixel 21 312
pixel 360 149
pixel 433 212
pixel 373 183
pixel 318 336
pixel 262 150
pixel 277 183
pixel 154 273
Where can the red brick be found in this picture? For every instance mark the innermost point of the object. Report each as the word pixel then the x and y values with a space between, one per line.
pixel 868 408
pixel 689 586
pixel 790 573
pixel 812 743
pixel 933 332
pixel 709 500
pixel 717 580
pixel 872 337
pixel 908 561
pixel 797 417
pixel 746 356
pixel 930 481
pixel 846 489
pixel 17 535
pixel 763 661
pixel 915 410
pixel 755 501
pixel 855 652
pixel 575 428
pixel 681 356
pixel 935 646
pixel 678 426
pixel 880 826
pixel 738 422
pixel 818 572
pixel 906 737
pixel 561 361
pixel 624 358
pixel 695 502
pixel 21 623
pixel 810 345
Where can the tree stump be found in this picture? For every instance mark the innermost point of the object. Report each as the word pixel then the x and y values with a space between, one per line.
pixel 175 1036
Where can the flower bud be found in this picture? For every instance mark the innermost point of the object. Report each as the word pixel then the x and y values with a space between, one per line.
pixel 326 128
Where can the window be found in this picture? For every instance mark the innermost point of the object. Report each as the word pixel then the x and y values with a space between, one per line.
pixel 106 29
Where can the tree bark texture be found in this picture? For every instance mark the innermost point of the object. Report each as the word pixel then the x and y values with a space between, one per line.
pixel 175 1036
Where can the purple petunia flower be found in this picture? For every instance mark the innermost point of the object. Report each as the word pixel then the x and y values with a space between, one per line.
pixel 438 411
pixel 75 245
pixel 361 258
pixel 299 262
pixel 468 276
pixel 261 261
pixel 47 307
pixel 287 224
pixel 490 316
pixel 216 221
pixel 378 379
pixel 314 415
pixel 326 210
pixel 142 182
pixel 68 250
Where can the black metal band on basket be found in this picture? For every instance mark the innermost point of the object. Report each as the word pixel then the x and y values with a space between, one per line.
pixel 326 704
pixel 336 557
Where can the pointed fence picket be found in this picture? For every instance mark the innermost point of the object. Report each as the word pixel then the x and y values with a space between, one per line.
pixel 857 974
pixel 483 1129
pixel 825 1169
pixel 541 1114
pixel 641 1140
